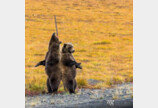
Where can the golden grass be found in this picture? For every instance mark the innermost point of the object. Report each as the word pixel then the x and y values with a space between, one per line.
pixel 101 31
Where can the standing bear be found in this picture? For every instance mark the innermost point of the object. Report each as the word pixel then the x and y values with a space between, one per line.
pixel 55 67
pixel 52 65
pixel 69 66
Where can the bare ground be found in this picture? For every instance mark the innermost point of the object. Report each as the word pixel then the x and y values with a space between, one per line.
pixel 118 96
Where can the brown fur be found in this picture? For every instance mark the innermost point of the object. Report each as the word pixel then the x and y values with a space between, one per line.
pixel 52 65
pixel 56 69
pixel 68 68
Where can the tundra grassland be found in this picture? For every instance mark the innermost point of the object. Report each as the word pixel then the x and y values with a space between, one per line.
pixel 100 30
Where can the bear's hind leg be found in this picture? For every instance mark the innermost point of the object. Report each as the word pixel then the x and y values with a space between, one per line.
pixel 75 84
pixel 54 83
pixel 70 86
pixel 48 86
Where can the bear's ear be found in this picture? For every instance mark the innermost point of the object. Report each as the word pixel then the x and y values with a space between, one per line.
pixel 64 48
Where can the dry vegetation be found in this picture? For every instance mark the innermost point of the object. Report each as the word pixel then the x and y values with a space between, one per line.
pixel 101 31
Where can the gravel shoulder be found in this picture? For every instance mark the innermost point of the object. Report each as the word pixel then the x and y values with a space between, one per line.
pixel 118 96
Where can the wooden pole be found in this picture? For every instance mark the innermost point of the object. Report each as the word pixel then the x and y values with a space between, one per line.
pixel 56 25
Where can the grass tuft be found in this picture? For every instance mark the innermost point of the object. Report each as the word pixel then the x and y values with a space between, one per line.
pixel 102 42
pixel 115 80
pixel 81 82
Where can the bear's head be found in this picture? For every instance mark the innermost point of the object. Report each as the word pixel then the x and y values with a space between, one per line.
pixel 54 42
pixel 68 48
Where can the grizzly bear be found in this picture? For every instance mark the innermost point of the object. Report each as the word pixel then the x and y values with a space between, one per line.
pixel 69 66
pixel 52 64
